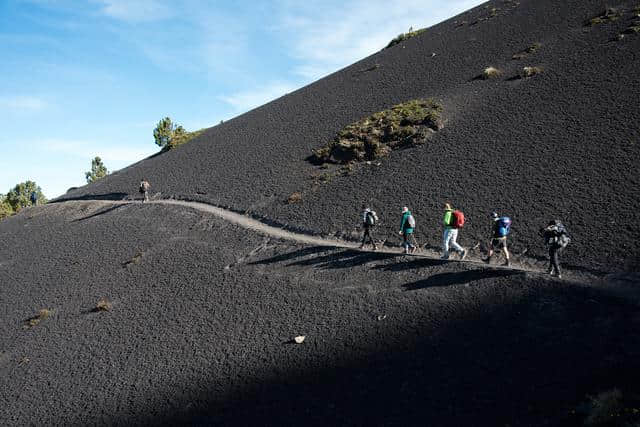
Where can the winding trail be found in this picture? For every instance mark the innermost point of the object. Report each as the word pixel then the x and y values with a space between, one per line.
pixel 276 232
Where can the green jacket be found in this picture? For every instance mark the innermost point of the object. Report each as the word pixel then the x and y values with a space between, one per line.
pixel 404 225
pixel 447 218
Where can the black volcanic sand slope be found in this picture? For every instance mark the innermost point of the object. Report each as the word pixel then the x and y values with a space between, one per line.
pixel 563 143
pixel 204 313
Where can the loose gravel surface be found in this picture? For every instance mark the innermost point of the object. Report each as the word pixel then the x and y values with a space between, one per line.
pixel 562 144
pixel 206 302
pixel 204 314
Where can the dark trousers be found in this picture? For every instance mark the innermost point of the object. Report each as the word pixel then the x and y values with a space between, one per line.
pixel 407 239
pixel 554 258
pixel 367 233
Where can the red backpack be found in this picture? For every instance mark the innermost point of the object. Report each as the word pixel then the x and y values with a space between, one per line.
pixel 457 219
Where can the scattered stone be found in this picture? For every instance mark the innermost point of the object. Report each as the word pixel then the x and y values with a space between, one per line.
pixel 299 339
pixel 382 317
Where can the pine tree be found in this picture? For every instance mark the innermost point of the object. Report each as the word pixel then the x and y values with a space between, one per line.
pixel 98 170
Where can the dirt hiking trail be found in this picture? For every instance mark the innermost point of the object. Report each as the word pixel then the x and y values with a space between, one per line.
pixel 519 262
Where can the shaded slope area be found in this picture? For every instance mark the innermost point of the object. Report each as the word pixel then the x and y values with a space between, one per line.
pixel 201 323
pixel 563 143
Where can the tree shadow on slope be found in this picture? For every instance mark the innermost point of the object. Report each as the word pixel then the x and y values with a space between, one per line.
pixel 335 259
pixel 458 278
pixel 524 360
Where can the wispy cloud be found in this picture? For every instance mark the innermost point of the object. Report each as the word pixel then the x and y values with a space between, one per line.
pixel 135 11
pixel 246 100
pixel 325 39
pixel 22 103
pixel 90 149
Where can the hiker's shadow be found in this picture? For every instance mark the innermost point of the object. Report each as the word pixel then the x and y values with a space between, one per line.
pixel 327 257
pixel 458 278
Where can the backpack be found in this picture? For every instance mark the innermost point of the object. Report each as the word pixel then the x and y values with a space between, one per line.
pixel 457 219
pixel 504 226
pixel 411 221
pixel 371 218
pixel 563 239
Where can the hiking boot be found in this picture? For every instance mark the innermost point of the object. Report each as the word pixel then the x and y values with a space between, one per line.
pixel 375 248
pixel 487 260
pixel 445 257
pixel 507 263
pixel 463 255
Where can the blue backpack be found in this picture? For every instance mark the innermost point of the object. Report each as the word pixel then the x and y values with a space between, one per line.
pixel 504 226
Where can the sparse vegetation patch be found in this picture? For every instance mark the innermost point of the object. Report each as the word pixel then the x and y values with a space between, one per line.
pixel 490 73
pixel 103 305
pixel 403 125
pixel 531 71
pixel 38 318
pixel 610 14
pixel 405 36
pixel 294 198
pixel 610 409
pixel 528 51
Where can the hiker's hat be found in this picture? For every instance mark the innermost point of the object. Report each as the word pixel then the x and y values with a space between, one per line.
pixel 494 215
pixel 405 209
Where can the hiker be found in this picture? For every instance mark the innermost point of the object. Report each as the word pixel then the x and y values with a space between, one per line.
pixel 407 227
pixel 144 189
pixel 556 237
pixel 369 220
pixel 453 221
pixel 500 227
pixel 34 198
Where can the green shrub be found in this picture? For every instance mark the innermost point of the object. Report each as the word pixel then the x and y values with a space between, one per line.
pixel 5 208
pixel 405 36
pixel 20 196
pixel 375 136
pixel 169 135
pixel 610 409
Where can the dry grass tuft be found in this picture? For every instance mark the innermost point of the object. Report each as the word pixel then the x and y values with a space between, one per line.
pixel 528 51
pixel 531 71
pixel 294 198
pixel 405 36
pixel 103 305
pixel 610 14
pixel 490 73
pixel 38 318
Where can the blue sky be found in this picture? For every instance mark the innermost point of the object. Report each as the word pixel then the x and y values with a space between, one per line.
pixel 90 78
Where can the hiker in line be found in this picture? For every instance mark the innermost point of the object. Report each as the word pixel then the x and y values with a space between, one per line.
pixel 500 230
pixel 407 227
pixel 369 220
pixel 34 198
pixel 556 237
pixel 144 189
pixel 453 220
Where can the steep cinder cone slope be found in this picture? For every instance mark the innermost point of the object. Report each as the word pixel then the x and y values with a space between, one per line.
pixel 562 144
pixel 165 315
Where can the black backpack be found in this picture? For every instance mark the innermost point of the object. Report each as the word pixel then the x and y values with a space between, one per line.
pixel 371 219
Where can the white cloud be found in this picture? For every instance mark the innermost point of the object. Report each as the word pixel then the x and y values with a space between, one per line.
pixel 324 39
pixel 22 103
pixel 246 100
pixel 135 10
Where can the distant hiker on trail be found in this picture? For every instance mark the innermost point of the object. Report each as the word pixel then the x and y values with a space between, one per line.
pixel 453 221
pixel 144 189
pixel 34 198
pixel 407 226
pixel 500 227
pixel 556 237
pixel 369 220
